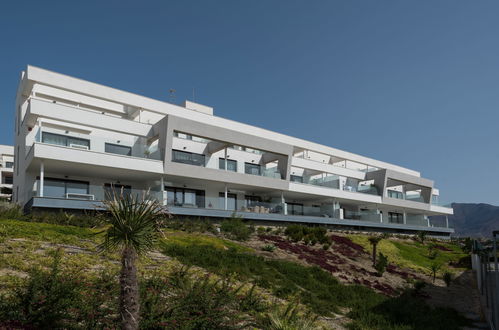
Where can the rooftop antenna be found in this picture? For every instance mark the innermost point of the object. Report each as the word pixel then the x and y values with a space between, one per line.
pixel 172 95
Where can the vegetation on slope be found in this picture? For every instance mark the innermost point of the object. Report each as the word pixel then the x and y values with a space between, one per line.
pixel 28 248
pixel 414 254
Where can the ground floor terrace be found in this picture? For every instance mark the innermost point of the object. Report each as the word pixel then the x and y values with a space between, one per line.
pixel 190 197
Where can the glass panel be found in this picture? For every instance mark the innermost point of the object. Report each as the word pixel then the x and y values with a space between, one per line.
pixel 231 201
pixel 9 164
pixel 188 158
pixel 8 180
pixel 72 141
pixel 252 169
pixel 231 164
pixel 190 197
pixel 118 149
pixel 296 178
pixel 112 190
pixel 77 188
pixel 170 196
pixel 252 201
pixel 56 139
pixel 54 188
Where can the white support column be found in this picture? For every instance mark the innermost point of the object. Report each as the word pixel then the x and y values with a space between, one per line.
pixel 447 221
pixel 162 190
pixel 225 158
pixel 405 218
pixel 428 221
pixel 284 205
pixel 42 174
pixel 225 198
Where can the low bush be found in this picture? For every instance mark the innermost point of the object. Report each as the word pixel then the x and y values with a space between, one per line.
pixel 192 225
pixel 310 235
pixel 236 229
pixel 269 248
pixel 381 264
pixel 447 277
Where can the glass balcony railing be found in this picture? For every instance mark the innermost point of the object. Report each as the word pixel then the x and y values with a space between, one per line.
pixel 83 191
pixel 129 147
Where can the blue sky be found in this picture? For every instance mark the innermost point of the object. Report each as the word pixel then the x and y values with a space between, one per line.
pixel 415 83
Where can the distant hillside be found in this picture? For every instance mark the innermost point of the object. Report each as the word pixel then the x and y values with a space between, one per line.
pixel 477 220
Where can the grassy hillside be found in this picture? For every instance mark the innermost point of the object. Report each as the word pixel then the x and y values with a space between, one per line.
pixel 413 254
pixel 198 278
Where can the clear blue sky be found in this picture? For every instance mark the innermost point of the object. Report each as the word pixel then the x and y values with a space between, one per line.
pixel 415 83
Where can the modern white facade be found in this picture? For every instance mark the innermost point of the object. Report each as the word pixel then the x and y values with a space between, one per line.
pixel 77 140
pixel 6 171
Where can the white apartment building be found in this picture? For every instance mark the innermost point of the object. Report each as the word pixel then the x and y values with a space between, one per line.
pixel 6 171
pixel 77 140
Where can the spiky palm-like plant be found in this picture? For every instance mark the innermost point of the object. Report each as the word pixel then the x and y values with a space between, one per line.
pixel 134 226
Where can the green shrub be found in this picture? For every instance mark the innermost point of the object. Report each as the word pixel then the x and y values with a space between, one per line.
pixel 381 264
pixel 326 246
pixel 181 302
pixel 419 285
pixel 235 228
pixel 268 229
pixel 11 211
pixel 56 299
pixel 447 277
pixel 269 248
pixel 289 318
pixel 192 225
pixel 260 230
pixel 310 235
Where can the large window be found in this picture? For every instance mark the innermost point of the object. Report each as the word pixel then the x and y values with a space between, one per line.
pixel 395 194
pixel 9 164
pixel 254 169
pixel 188 158
pixel 61 188
pixel 231 201
pixel 231 164
pixel 111 190
pixel 118 149
pixel 185 197
pixel 296 178
pixel 8 179
pixel 394 217
pixel 295 208
pixel 66 141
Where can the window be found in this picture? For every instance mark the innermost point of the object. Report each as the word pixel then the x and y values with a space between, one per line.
pixel 9 164
pixel 231 201
pixel 395 194
pixel 111 190
pixel 231 164
pixel 66 141
pixel 118 149
pixel 296 178
pixel 394 217
pixel 59 187
pixel 8 180
pixel 185 197
pixel 295 208
pixel 254 169
pixel 252 200
pixel 188 158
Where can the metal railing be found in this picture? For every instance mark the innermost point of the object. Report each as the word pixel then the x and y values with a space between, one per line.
pixel 485 265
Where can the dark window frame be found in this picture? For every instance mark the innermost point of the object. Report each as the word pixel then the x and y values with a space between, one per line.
pixel 191 160
pixel 296 178
pixel 117 145
pixel 246 164
pixel 67 137
pixel 200 196
pixel 66 181
pixel 221 164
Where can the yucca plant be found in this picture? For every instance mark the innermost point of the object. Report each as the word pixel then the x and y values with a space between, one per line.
pixel 135 223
